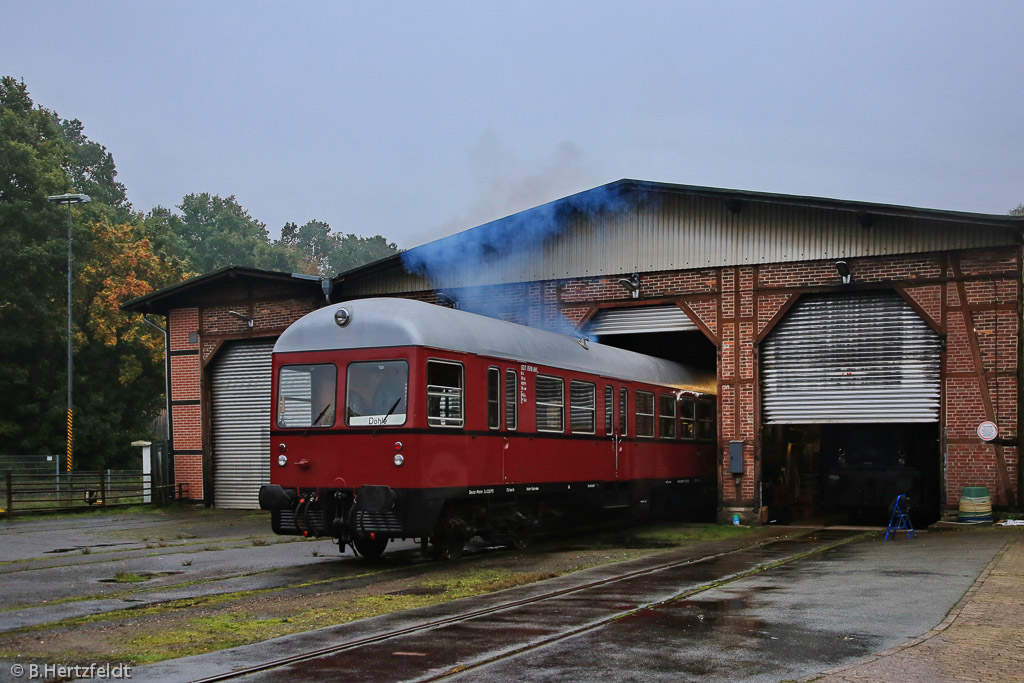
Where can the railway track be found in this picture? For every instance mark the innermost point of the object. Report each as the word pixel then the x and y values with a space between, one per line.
pixel 529 619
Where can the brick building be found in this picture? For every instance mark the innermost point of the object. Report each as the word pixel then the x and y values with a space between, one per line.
pixel 221 328
pixel 858 347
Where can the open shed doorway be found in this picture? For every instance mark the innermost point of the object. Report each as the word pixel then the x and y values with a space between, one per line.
pixel 662 330
pixel 850 394
pixel 688 348
pixel 850 473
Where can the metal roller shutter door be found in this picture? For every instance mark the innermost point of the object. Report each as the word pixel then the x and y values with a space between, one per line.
pixel 865 358
pixel 639 320
pixel 241 425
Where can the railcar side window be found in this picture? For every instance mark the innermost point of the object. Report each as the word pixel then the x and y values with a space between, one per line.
pixel 493 398
pixel 705 419
pixel 623 411
pixel 511 400
pixel 688 418
pixel 306 395
pixel 582 407
pixel 644 413
pixel 550 404
pixel 609 402
pixel 444 394
pixel 377 393
pixel 667 416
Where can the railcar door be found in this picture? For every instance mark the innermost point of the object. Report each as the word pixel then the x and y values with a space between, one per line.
pixel 619 428
pixel 514 395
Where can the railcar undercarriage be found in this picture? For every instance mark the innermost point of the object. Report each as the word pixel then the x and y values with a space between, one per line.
pixel 443 520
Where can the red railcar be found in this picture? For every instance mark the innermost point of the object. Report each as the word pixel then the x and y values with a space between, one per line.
pixel 393 418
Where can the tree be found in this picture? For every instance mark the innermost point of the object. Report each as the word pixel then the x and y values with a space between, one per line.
pixel 1019 211
pixel 325 253
pixel 218 232
pixel 118 367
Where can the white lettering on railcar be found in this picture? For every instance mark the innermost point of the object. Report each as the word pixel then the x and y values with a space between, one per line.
pixel 480 492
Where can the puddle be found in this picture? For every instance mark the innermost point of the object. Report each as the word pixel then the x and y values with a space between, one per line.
pixel 79 548
pixel 138 577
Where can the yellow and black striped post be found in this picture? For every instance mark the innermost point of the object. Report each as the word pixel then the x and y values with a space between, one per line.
pixel 70 439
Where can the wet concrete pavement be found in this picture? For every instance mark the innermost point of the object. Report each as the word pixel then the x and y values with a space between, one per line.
pixel 733 616
pixel 981 639
pixel 789 622
pixel 61 567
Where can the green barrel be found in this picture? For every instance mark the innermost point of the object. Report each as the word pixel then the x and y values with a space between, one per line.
pixel 975 504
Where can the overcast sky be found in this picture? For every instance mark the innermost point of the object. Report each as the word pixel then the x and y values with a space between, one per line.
pixel 418 119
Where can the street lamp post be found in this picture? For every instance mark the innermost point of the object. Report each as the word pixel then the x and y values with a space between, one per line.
pixel 69 199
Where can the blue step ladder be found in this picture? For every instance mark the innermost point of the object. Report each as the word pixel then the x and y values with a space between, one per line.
pixel 900 518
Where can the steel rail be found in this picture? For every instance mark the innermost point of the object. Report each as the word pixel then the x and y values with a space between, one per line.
pixel 465 616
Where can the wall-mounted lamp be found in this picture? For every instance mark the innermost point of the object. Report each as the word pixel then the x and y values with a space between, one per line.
pixel 843 268
pixel 244 318
pixel 327 286
pixel 632 283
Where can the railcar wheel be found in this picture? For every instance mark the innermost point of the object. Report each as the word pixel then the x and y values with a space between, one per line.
pixel 521 538
pixel 370 548
pixel 449 540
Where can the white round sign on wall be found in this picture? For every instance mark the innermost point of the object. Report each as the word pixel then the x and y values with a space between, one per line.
pixel 987 431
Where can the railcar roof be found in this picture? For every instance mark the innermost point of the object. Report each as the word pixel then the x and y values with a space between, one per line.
pixel 393 322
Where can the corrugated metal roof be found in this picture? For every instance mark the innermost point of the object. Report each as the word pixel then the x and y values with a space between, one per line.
pixel 632 226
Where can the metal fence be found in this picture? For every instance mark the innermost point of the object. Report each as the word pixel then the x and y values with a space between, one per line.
pixel 31 464
pixel 34 492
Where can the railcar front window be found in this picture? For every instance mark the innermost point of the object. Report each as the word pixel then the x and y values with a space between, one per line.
pixel 644 413
pixel 377 393
pixel 306 395
pixel 444 394
pixel 667 416
pixel 582 407
pixel 550 404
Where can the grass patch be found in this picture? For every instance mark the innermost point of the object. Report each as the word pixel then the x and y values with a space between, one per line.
pixel 685 534
pixel 130 577
pixel 663 535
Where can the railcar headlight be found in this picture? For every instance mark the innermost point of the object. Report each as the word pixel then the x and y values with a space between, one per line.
pixel 342 316
pixel 282 460
pixel 399 460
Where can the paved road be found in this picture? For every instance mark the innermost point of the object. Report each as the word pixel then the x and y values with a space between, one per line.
pixel 737 616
